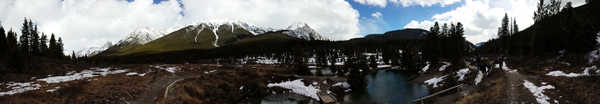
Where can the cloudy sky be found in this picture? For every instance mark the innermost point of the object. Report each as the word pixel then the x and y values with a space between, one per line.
pixel 92 23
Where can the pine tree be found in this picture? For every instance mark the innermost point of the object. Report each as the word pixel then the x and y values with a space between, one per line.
pixel 52 45
pixel 73 57
pixel 35 43
pixel 43 44
pixel 24 43
pixel 460 39
pixel 515 27
pixel 554 7
pixel 3 47
pixel 504 30
pixel 11 42
pixel 59 48
pixel 445 30
pixel 540 13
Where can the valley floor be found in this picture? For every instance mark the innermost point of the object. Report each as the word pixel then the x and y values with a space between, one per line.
pixel 512 81
pixel 168 83
pixel 517 82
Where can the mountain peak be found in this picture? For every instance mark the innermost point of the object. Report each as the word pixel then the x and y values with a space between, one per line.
pixel 304 31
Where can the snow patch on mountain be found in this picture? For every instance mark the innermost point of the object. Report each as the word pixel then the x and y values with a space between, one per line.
pixel 138 36
pixel 298 30
pixel 303 31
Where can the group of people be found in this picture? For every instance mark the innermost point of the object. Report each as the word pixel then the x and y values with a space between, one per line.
pixel 484 64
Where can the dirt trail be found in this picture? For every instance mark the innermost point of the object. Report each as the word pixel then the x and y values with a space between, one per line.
pixel 156 89
pixel 514 80
pixel 516 92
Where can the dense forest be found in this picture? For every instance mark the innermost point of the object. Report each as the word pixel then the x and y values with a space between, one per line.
pixel 556 31
pixel 31 51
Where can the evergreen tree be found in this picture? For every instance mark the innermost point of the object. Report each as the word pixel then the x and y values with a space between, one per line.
pixel 3 42
pixel 12 50
pixel 460 40
pixel 11 42
pixel 43 44
pixel 24 43
pixel 504 30
pixel 445 30
pixel 515 27
pixel 59 48
pixel 73 57
pixel 554 7
pixel 432 46
pixel 52 45
pixel 540 13
pixel 35 43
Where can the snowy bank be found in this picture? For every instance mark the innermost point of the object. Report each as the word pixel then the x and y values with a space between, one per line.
pixel 538 92
pixel 478 78
pixel 434 81
pixel 586 72
pixel 443 67
pixel 298 87
pixel 81 75
pixel 20 88
pixel 425 68
pixel 461 74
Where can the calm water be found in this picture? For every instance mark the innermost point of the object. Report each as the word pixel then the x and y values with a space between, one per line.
pixel 388 87
pixel 383 87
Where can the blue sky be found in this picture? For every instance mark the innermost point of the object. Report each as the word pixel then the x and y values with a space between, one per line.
pixel 395 17
pixel 85 24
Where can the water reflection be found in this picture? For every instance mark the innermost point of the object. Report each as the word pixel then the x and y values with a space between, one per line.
pixel 388 87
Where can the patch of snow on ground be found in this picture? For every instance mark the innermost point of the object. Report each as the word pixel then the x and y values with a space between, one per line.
pixel 384 66
pixel 434 81
pixel 505 68
pixel 54 89
pixel 131 73
pixel 479 77
pixel 443 67
pixel 585 72
pixel 297 86
pixel 81 75
pixel 461 74
pixel 425 68
pixel 135 73
pixel 207 72
pixel 342 84
pixel 538 92
pixel 20 88
pixel 171 69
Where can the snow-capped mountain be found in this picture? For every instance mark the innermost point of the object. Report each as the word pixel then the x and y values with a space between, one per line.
pixel 143 35
pixel 201 35
pixel 91 51
pixel 137 37
pixel 303 31
pixel 298 30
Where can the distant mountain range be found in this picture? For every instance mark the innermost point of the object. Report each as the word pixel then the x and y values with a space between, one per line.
pixel 207 35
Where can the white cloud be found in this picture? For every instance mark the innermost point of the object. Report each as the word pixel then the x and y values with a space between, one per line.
pixel 86 23
pixel 481 18
pixel 377 15
pixel 371 25
pixel 406 3
pixel 379 3
pixel 425 3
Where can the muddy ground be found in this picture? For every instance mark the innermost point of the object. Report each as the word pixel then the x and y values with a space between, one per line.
pixel 190 84
pixel 502 87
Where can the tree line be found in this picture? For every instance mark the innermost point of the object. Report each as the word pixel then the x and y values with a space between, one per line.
pixel 557 30
pixel 447 42
pixel 26 52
